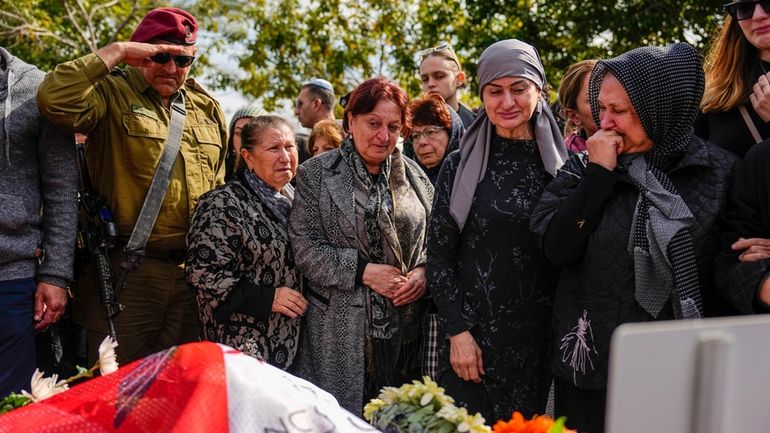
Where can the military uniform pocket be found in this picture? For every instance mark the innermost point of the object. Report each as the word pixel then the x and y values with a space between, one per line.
pixel 143 143
pixel 209 147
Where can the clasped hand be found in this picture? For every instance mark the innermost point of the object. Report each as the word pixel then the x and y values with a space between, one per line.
pixel 388 281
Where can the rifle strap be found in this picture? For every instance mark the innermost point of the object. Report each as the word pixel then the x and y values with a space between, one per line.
pixel 134 251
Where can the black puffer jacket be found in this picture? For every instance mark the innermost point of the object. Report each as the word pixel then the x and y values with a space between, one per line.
pixel 584 219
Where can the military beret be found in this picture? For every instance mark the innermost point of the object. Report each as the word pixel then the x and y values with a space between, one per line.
pixel 169 24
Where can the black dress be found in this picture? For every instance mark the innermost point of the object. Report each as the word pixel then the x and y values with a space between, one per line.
pixel 492 279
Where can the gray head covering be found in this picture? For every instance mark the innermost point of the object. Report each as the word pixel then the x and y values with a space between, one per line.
pixel 245 111
pixel 508 58
pixel 665 85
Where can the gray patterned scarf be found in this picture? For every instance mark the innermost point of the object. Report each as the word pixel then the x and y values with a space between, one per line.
pixel 508 58
pixel 279 202
pixel 665 85
pixel 383 313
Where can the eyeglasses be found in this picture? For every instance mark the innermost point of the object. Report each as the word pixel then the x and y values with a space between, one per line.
pixel 742 10
pixel 424 54
pixel 181 61
pixel 431 133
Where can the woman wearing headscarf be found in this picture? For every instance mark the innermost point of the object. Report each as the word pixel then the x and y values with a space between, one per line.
pixel 492 286
pixel 358 229
pixel 736 103
pixel 436 132
pixel 239 260
pixel 632 222
pixel 239 120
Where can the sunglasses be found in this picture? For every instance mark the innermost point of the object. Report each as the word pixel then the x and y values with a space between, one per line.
pixel 181 61
pixel 742 10
pixel 437 50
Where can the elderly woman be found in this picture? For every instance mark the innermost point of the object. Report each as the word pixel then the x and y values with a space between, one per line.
pixel 325 136
pixel 632 222
pixel 238 255
pixel 358 228
pixel 436 132
pixel 492 286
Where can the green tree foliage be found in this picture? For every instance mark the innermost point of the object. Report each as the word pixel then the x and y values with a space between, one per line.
pixel 281 42
pixel 47 32
pixel 266 48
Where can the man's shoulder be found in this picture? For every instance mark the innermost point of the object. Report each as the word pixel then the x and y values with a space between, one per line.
pixel 197 88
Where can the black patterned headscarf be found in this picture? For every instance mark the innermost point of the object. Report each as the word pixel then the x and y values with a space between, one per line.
pixel 665 86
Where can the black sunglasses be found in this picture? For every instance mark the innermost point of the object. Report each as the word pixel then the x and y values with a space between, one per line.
pixel 742 10
pixel 181 61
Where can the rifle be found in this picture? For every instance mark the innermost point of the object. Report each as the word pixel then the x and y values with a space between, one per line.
pixel 97 235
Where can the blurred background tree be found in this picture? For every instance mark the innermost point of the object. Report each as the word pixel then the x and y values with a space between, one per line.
pixel 266 48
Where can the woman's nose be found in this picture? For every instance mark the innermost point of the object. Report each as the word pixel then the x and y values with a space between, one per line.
pixel 606 121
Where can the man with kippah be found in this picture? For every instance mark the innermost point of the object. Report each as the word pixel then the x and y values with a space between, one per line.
pixel 127 115
pixel 315 103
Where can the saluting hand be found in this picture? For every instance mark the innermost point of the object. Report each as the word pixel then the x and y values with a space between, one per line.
pixel 139 53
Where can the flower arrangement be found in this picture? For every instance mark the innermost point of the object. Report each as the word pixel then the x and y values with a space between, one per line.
pixel 538 424
pixel 43 387
pixel 420 407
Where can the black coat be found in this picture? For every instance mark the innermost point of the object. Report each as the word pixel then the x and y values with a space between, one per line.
pixel 747 215
pixel 584 217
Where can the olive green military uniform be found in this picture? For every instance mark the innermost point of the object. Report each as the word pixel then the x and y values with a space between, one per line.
pixel 127 125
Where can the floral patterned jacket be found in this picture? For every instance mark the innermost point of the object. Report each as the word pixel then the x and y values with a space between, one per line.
pixel 237 246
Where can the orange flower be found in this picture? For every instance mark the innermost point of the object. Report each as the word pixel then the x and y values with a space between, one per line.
pixel 517 424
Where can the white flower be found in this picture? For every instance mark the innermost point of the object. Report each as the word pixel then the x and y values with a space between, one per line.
pixel 108 361
pixel 44 387
pixel 426 398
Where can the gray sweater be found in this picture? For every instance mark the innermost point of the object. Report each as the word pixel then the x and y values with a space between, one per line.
pixel 38 184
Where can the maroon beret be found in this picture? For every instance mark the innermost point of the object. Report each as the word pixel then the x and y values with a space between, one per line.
pixel 169 24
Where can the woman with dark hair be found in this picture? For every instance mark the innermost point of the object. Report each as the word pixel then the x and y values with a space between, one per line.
pixel 436 132
pixel 632 221
pixel 736 103
pixel 492 286
pixel 238 255
pixel 358 228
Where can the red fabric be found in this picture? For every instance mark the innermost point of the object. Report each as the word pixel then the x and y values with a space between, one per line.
pixel 169 24
pixel 182 390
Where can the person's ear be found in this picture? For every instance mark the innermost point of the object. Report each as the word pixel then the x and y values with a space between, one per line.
pixel 246 157
pixel 460 79
pixel 317 104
